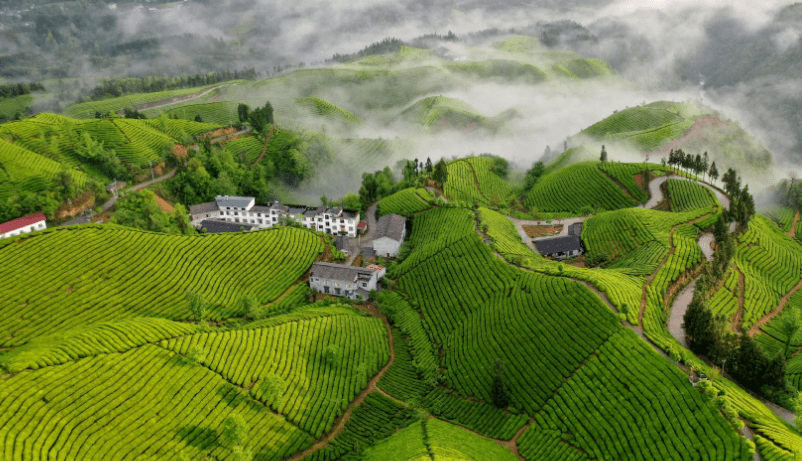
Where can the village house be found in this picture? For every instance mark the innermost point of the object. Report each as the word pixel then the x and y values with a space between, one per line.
pixel 334 220
pixel 345 281
pixel 23 225
pixel 390 232
pixel 564 246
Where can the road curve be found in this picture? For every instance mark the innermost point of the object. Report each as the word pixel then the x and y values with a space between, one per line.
pixel 657 193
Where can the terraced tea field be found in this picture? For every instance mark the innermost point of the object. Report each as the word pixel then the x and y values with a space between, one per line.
pixel 90 279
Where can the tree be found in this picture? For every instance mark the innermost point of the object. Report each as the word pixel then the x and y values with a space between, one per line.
pixel 240 453
pixel 324 200
pixel 261 117
pixel 713 171
pixel 699 326
pixel 792 175
pixel 243 110
pixel 235 430
pixel 181 219
pixel 498 393
pixel 533 175
pixel 603 156
pixel 196 353
pixel 410 171
pixel 705 164
pixel 351 201
pixel 196 305
pixel 198 118
pixel 248 306
pixel 331 354
pixel 273 388
pixel 748 363
pixel 440 174
pixel 429 165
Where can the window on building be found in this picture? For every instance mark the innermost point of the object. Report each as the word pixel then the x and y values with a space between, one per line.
pixel 336 291
pixel 326 290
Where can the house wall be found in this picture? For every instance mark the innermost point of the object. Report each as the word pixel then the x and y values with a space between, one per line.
pixel 385 245
pixel 327 222
pixel 346 288
pixel 26 229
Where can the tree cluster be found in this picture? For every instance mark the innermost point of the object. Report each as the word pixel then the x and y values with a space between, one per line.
pixel 48 199
pixel 742 204
pixel 11 90
pixel 696 164
pixel 376 186
pixel 533 175
pixel 386 46
pixel 141 210
pixel 259 118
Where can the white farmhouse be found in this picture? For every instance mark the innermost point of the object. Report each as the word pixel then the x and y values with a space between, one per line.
pixel 335 220
pixel 23 225
pixel 390 232
pixel 345 281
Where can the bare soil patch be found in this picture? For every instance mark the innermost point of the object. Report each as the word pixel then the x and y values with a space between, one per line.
pixel 84 202
pixel 541 231
pixel 639 180
pixel 164 204
pixel 695 132
pixel 179 150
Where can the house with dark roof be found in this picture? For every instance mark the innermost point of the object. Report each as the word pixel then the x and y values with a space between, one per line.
pixel 201 211
pixel 213 226
pixel 390 232
pixel 345 281
pixel 564 246
pixel 23 225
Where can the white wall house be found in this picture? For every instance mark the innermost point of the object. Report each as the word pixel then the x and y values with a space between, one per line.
pixel 23 225
pixel 243 210
pixel 345 281
pixel 390 232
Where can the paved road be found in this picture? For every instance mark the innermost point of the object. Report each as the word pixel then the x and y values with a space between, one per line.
pixel 230 135
pixel 110 202
pixel 657 193
pixel 365 240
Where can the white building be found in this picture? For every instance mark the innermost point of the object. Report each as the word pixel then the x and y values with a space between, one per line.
pixel 23 225
pixel 345 281
pixel 390 232
pixel 336 220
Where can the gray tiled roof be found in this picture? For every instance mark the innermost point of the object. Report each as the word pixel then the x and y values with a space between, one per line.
pixel 350 214
pixel 260 209
pixel 233 201
pixel 575 229
pixel 341 272
pixel 391 225
pixel 556 245
pixel 201 208
pixel 215 227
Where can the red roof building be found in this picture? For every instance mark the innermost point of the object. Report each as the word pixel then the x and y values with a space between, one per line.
pixel 23 225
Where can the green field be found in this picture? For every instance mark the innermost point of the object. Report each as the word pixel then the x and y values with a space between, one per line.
pixel 579 188
pixel 87 109
pixel 406 202
pixel 647 127
pixel 75 290
pixel 168 402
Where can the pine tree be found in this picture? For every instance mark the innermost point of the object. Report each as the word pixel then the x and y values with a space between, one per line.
pixel 603 156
